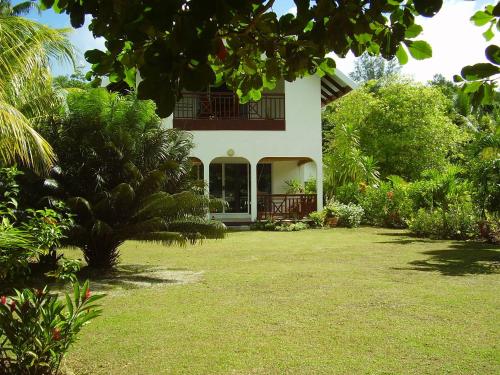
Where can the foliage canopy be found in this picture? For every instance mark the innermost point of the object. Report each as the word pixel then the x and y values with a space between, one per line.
pixel 181 44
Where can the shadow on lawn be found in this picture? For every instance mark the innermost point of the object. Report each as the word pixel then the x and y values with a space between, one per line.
pixel 405 238
pixel 460 259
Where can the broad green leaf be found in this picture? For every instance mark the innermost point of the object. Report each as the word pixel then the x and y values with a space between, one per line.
pixel 402 55
pixel 472 87
pixel 481 18
pixel 479 71
pixel 94 56
pixel 419 49
pixel 413 31
pixel 492 53
pixel 328 66
pixel 457 78
pixel 488 34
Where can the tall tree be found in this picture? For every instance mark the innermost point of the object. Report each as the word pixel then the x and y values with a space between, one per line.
pixel 189 44
pixel 26 93
pixel 403 125
pixel 20 9
pixel 367 67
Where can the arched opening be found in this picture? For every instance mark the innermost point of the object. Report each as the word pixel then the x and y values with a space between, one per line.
pixel 197 171
pixel 230 179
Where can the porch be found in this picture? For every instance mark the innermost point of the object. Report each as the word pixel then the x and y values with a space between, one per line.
pixel 271 188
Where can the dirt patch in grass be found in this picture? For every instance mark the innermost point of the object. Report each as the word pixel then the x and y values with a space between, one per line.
pixel 135 276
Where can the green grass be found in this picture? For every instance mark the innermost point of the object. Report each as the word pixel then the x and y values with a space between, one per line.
pixel 359 301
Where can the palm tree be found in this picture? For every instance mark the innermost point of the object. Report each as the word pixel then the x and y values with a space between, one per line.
pixel 126 177
pixel 139 210
pixel 26 93
pixel 21 9
pixel 344 160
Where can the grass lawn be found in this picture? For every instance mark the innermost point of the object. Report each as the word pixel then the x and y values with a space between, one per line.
pixel 341 301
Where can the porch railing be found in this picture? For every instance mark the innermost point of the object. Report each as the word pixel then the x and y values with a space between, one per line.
pixel 285 206
pixel 226 106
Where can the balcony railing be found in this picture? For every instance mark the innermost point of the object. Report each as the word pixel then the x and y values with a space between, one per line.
pixel 285 206
pixel 226 106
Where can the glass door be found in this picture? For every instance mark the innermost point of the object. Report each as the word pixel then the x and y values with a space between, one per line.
pixel 231 182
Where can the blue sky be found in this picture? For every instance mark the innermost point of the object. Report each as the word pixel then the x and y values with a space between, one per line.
pixel 455 41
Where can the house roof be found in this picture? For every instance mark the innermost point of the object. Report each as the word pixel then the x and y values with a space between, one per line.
pixel 334 86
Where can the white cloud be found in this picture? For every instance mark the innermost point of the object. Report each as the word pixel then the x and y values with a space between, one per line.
pixel 455 42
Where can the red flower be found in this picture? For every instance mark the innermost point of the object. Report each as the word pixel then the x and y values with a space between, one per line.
pixel 3 300
pixel 390 194
pixel 88 293
pixel 221 50
pixel 12 305
pixel 56 334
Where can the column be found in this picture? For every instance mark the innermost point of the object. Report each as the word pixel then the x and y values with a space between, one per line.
pixel 206 179
pixel 253 190
pixel 319 183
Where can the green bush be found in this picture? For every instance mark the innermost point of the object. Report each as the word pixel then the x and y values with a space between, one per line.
pixel 350 192
pixel 264 225
pixel 37 328
pixel 386 205
pixel 317 218
pixel 291 227
pixel 271 226
pixel 349 215
pixel 459 221
pixel 26 235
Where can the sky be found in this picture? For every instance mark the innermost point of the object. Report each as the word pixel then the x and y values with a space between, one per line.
pixel 456 42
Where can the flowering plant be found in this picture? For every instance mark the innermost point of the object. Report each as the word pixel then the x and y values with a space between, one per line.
pixel 37 328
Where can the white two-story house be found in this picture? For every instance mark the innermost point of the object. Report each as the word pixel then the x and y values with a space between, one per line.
pixel 246 153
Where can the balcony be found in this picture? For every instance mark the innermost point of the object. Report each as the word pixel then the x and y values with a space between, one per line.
pixel 223 111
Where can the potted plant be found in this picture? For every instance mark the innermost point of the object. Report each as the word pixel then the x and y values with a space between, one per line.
pixel 332 214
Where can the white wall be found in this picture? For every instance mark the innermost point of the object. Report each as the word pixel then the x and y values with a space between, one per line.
pixel 302 137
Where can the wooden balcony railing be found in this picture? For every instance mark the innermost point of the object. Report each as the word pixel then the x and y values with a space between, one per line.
pixel 226 106
pixel 285 206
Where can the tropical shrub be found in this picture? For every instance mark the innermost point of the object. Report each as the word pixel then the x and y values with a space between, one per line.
pixel 483 169
pixel 459 221
pixel 126 177
pixel 395 127
pixel 275 226
pixel 28 235
pixel 349 215
pixel 310 186
pixel 264 225
pixel 387 204
pixel 345 162
pixel 291 227
pixel 409 131
pixel 317 218
pixel 294 186
pixel 350 192
pixel 37 328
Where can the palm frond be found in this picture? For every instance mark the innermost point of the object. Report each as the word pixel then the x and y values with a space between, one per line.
pixel 165 238
pixel 207 229
pixel 20 142
pixel 26 93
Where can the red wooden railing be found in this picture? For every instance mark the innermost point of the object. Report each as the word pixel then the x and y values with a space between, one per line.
pixel 226 106
pixel 285 206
